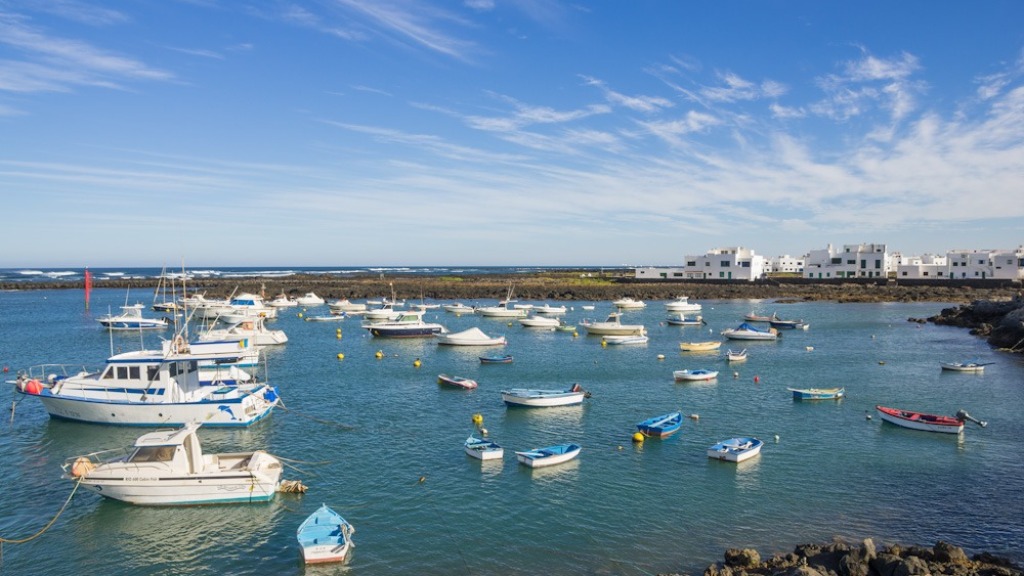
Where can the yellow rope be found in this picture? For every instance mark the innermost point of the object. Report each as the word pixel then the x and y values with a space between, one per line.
pixel 48 524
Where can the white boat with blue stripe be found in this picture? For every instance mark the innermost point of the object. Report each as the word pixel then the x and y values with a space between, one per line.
pixel 541 457
pixel 153 388
pixel 168 468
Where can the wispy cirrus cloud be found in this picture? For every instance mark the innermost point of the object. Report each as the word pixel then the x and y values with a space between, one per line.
pixel 57 64
pixel 734 88
pixel 638 103
pixel 871 83
pixel 413 22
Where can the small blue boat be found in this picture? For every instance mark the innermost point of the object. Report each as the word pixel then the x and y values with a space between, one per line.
pixel 506 359
pixel 325 537
pixel 661 426
pixel 736 449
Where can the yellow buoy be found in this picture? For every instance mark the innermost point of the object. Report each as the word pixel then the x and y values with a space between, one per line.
pixel 638 437
pixel 379 354
pixel 478 419
pixel 300 314
pixel 416 362
pixel 604 343
pixel 341 356
pixel 575 334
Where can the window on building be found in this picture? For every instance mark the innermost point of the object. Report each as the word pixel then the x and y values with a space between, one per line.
pixel 721 274
pixel 940 274
pixel 904 273
pixel 745 264
pixel 707 263
pixel 837 260
pixel 863 263
pixel 878 263
pixel 724 264
pixel 691 263
pixel 924 273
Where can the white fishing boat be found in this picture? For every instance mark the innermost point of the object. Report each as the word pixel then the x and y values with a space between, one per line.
pixel 546 322
pixel 505 308
pixel 253 328
pixel 385 312
pixel 544 398
pixel 131 318
pixel 966 366
pixel 309 299
pixel 736 449
pixel 682 304
pixel 694 375
pixel 612 326
pixel 483 449
pixel 733 356
pixel 169 468
pixel 550 310
pixel 346 305
pixel 282 301
pixel 549 456
pixel 470 337
pixel 163 387
pixel 458 308
pixel 626 339
pixel 628 303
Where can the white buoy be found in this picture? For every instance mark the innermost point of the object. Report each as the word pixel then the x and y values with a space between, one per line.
pixel 776 438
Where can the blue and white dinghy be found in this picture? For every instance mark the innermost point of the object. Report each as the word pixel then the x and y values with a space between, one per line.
pixel 541 457
pixel 325 537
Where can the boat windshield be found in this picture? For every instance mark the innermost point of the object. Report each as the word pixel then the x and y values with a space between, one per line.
pixel 153 454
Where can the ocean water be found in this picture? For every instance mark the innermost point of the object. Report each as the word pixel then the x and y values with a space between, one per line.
pixel 381 442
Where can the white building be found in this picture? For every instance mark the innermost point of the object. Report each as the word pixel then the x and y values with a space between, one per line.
pixel 787 263
pixel 736 263
pixel 853 261
pixel 985 264
pixel 928 267
pixel 653 273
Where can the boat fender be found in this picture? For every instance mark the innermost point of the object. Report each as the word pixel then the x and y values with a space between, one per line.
pixel 81 467
pixel 33 387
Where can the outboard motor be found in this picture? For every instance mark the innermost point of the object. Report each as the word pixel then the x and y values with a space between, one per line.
pixel 962 415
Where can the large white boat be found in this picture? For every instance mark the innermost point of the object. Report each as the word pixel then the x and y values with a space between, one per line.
pixel 628 303
pixel 346 305
pixel 282 301
pixel 384 312
pixel 253 328
pixel 544 398
pixel 168 468
pixel 408 325
pixel 131 318
pixel 682 304
pixel 546 322
pixel 171 386
pixel 309 299
pixel 550 310
pixel 612 326
pixel 505 309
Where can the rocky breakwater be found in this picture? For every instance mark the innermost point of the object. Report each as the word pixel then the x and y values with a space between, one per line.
pixel 1000 322
pixel 839 558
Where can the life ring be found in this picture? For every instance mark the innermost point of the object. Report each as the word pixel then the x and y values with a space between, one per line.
pixel 81 467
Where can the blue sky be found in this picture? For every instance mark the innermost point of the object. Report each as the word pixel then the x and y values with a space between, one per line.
pixel 529 132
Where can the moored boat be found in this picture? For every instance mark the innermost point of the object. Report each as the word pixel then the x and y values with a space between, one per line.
pixel 168 468
pixel 154 388
pixel 407 325
pixel 704 346
pixel 682 304
pixel 746 331
pixel 694 375
pixel 661 426
pixel 968 366
pixel 927 422
pixel 309 299
pixel 817 393
pixel 549 456
pixel 630 339
pixel 612 326
pixel 628 303
pixel 131 318
pixel 736 449
pixel 732 356
pixel 781 324
pixel 544 398
pixel 755 317
pixel 458 308
pixel 324 536
pixel 457 381
pixel 470 337
pixel 682 320
pixel 503 359
pixel 546 322
pixel 483 449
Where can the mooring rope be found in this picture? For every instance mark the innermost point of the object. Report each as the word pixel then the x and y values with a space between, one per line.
pixel 44 528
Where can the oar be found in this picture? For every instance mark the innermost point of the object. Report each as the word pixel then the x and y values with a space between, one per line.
pixel 963 415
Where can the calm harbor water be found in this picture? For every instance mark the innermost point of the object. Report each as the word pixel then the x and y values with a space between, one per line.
pixel 381 442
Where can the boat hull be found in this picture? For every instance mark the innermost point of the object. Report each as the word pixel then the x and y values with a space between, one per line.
pixel 526 459
pixel 512 398
pixel 324 537
pixel 240 411
pixel 699 346
pixel 483 449
pixel 817 393
pixel 736 449
pixel 920 421
pixel 694 375
pixel 661 426
pixel 222 489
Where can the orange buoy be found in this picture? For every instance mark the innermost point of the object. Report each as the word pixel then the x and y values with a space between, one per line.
pixel 33 387
pixel 757 379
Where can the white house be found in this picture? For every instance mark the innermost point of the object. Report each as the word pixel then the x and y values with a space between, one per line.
pixel 928 267
pixel 985 264
pixel 655 273
pixel 736 263
pixel 787 263
pixel 853 261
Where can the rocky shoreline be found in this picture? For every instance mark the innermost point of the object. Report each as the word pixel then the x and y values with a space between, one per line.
pixel 577 285
pixel 1001 323
pixel 839 558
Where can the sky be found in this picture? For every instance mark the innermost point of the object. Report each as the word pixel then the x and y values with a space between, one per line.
pixel 504 132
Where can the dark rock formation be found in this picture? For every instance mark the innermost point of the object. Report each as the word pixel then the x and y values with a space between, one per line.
pixel 839 558
pixel 1000 322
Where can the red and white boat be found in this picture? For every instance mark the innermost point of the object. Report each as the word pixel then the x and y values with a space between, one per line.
pixel 927 422
pixel 456 381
